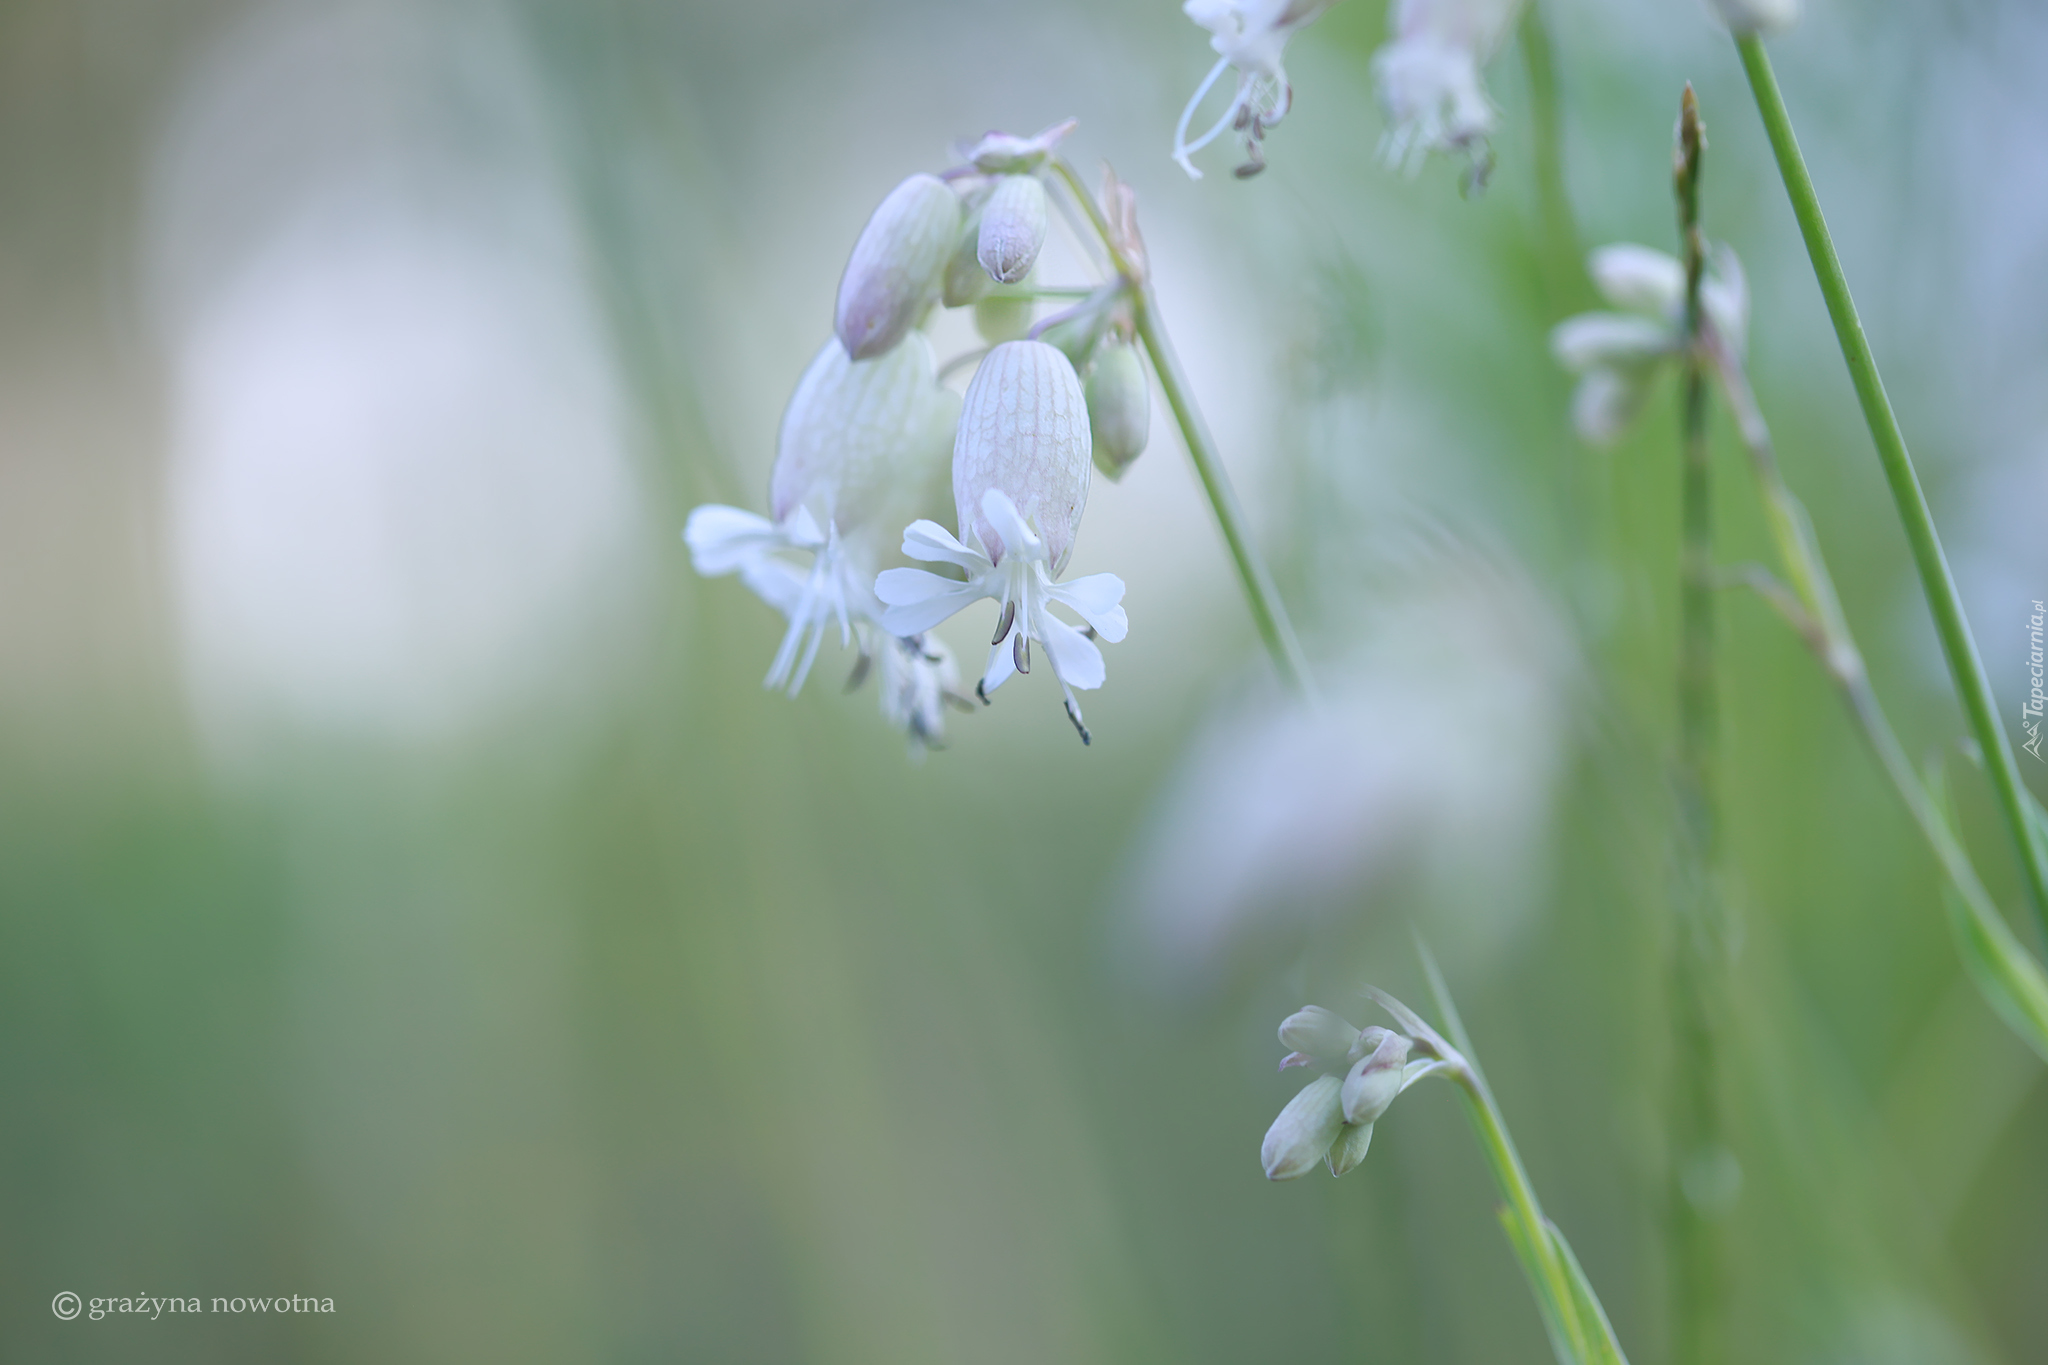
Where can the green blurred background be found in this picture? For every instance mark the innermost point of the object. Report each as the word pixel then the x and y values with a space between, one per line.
pixel 409 897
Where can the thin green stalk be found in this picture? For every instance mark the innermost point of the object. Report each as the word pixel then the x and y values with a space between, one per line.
pixel 1943 601
pixel 1564 275
pixel 1697 961
pixel 2008 975
pixel 1268 613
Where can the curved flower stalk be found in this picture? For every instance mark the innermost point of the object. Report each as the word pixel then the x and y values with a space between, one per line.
pixel 1362 1072
pixel 1619 355
pixel 1020 482
pixel 1250 35
pixel 1429 79
pixel 860 447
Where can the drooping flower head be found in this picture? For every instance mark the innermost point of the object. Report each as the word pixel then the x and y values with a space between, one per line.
pixel 1250 35
pixel 1429 78
pixel 1331 1118
pixel 1020 483
pixel 862 444
pixel 1618 355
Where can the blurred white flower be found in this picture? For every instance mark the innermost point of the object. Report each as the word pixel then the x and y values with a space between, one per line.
pixel 1756 16
pixel 1020 483
pixel 1618 355
pixel 1250 35
pixel 1431 757
pixel 1429 77
pixel 861 446
pixel 1331 1118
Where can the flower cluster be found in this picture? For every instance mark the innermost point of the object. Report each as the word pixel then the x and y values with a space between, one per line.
pixel 1618 355
pixel 865 438
pixel 1361 1072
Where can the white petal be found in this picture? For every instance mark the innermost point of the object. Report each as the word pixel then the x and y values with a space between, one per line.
pixel 1075 659
pixel 1638 278
pixel 917 600
pixel 1095 598
pixel 722 539
pixel 1002 663
pixel 1008 523
pixel 1595 339
pixel 777 582
pixel 1606 402
pixel 933 543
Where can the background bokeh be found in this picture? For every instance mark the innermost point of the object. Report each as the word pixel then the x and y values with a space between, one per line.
pixel 409 897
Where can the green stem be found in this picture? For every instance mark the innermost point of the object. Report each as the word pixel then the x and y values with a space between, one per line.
pixel 1814 611
pixel 1943 601
pixel 1697 954
pixel 1564 276
pixel 1268 613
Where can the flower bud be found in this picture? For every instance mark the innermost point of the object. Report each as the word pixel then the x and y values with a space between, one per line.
pixel 1004 313
pixel 1013 224
pixel 1374 1082
pixel 1119 408
pixel 964 280
pixel 1756 16
pixel 1353 1140
pixel 896 264
pixel 1023 431
pixel 1321 1033
pixel 1302 1135
pixel 1638 278
pixel 863 440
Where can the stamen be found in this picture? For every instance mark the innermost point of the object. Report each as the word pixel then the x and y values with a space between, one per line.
pixel 1181 148
pixel 1020 652
pixel 1074 715
pixel 1009 619
pixel 979 693
pixel 860 671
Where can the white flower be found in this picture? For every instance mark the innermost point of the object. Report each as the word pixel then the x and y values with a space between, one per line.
pixel 861 444
pixel 1618 355
pixel 918 681
pixel 1020 483
pixel 1429 77
pixel 1756 16
pixel 1331 1118
pixel 1250 35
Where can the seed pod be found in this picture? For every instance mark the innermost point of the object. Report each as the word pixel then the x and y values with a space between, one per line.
pixel 896 264
pixel 1024 430
pixel 862 440
pixel 1013 224
pixel 1119 408
pixel 965 280
pixel 1004 313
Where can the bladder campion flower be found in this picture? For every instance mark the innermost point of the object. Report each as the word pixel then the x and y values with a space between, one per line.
pixel 862 443
pixel 1331 1118
pixel 1618 355
pixel 1020 484
pixel 1429 78
pixel 1250 35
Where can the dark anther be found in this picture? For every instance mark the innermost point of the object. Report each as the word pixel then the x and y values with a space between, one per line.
pixel 1089 632
pixel 1244 116
pixel 1020 652
pixel 1079 728
pixel 958 702
pixel 860 671
pixel 979 693
pixel 1003 626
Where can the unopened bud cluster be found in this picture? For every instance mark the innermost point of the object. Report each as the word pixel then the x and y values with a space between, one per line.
pixel 865 440
pixel 1361 1072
